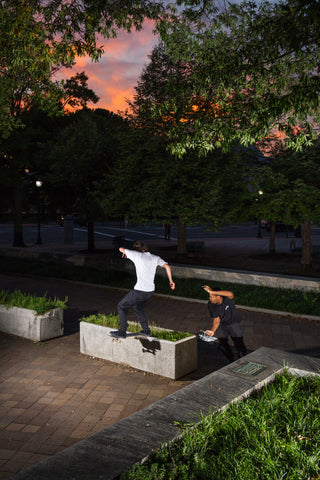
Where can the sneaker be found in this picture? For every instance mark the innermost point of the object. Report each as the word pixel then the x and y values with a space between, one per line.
pixel 206 338
pixel 118 334
pixel 145 333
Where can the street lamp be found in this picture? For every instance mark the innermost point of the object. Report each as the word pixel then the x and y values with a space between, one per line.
pixel 39 185
pixel 259 234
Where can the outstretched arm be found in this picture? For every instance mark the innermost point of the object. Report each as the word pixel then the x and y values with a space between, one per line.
pixel 222 293
pixel 171 282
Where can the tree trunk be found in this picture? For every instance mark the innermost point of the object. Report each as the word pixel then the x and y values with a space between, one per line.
pixel 17 226
pixel 272 241
pixel 306 256
pixel 91 245
pixel 182 238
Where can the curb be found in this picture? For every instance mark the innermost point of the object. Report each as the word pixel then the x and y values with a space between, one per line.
pixel 312 318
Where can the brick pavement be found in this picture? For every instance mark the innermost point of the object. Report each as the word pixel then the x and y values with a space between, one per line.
pixel 51 396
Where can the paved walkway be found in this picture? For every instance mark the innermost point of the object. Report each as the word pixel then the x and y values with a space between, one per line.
pixel 51 396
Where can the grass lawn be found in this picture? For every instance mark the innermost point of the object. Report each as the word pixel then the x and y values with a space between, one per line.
pixel 293 301
pixel 273 435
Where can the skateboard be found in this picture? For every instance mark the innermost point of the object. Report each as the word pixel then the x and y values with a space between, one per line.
pixel 115 339
pixel 206 338
pixel 139 336
pixel 135 336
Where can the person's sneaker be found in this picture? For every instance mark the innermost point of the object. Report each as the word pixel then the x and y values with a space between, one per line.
pixel 206 338
pixel 118 334
pixel 144 333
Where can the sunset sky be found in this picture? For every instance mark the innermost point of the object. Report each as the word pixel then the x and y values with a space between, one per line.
pixel 114 77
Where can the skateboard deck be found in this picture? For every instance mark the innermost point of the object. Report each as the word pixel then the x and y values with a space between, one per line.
pixel 138 336
pixel 115 339
pixel 118 339
pixel 133 335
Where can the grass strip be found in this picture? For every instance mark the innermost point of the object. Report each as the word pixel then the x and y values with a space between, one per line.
pixel 279 299
pixel 112 321
pixel 274 434
pixel 24 300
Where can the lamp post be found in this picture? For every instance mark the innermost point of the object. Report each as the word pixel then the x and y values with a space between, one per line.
pixel 39 185
pixel 259 234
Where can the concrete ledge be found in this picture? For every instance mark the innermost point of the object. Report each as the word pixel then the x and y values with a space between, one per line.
pixel 246 278
pixel 28 324
pixel 161 357
pixel 108 453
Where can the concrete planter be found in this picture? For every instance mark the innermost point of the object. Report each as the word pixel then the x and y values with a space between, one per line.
pixel 161 357
pixel 26 323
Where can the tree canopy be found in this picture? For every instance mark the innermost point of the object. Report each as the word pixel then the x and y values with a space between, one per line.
pixel 81 158
pixel 38 37
pixel 253 69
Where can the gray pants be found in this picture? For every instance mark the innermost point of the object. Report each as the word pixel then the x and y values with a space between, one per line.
pixel 137 300
pixel 235 332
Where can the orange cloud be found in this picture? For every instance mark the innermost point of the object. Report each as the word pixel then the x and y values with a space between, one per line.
pixel 114 77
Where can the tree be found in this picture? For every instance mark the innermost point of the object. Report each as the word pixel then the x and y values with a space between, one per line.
pixel 80 160
pixel 23 152
pixel 150 184
pixel 191 189
pixel 291 193
pixel 38 37
pixel 77 94
pixel 253 69
pixel 162 80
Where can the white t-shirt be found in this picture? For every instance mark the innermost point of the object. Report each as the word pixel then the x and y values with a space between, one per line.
pixel 146 265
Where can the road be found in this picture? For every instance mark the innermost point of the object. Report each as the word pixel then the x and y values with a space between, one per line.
pixel 53 233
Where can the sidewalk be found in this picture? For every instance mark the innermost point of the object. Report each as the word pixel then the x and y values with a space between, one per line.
pixel 51 396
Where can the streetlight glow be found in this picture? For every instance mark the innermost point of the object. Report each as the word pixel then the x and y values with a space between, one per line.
pixel 38 185
pixel 259 235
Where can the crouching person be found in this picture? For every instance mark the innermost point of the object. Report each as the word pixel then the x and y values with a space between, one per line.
pixel 226 322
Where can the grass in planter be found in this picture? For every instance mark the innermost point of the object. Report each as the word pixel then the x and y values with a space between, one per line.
pixel 273 435
pixel 25 300
pixel 112 321
pixel 294 301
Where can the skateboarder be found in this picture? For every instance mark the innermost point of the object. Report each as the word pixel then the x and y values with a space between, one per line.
pixel 146 265
pixel 226 321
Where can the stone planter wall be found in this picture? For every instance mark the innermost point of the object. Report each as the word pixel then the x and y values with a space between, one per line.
pixel 161 357
pixel 26 323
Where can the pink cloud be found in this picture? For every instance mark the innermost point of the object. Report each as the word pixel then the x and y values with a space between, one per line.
pixel 114 77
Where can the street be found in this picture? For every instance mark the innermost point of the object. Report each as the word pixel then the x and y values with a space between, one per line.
pixel 53 233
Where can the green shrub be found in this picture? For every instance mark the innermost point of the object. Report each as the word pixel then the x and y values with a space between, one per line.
pixel 113 321
pixel 24 300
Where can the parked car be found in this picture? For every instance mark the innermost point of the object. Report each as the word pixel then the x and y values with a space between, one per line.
pixel 280 227
pixel 77 218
